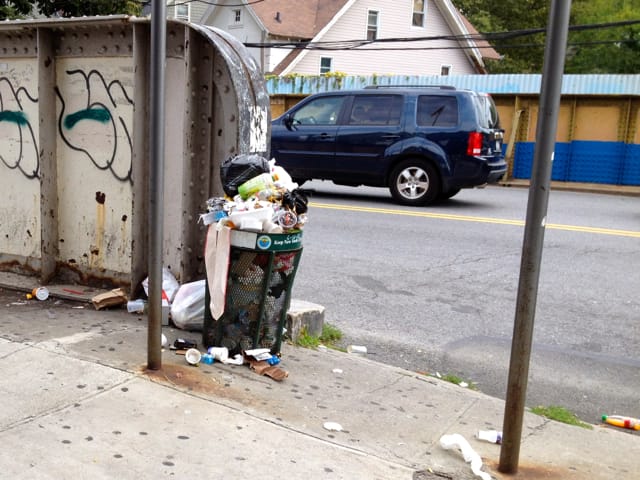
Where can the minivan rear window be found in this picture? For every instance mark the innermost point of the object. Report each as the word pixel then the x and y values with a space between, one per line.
pixel 487 111
pixel 437 111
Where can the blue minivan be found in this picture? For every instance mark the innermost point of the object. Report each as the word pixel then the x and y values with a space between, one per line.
pixel 423 143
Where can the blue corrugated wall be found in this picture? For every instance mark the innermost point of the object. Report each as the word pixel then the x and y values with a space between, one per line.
pixel 615 163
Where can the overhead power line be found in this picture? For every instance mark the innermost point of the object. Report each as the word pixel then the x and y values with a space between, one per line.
pixel 495 39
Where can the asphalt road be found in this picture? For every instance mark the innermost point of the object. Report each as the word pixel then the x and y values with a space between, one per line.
pixel 434 289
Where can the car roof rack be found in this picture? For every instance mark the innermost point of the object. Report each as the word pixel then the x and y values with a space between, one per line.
pixel 442 87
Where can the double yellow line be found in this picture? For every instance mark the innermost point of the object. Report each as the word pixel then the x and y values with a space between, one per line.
pixel 468 218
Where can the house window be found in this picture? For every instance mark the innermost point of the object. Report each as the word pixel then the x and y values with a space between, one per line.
pixel 181 9
pixel 236 17
pixel 325 65
pixel 418 13
pixel 445 70
pixel 372 25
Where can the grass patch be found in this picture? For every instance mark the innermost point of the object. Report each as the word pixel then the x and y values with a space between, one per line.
pixel 330 334
pixel 560 414
pixel 451 378
pixel 329 337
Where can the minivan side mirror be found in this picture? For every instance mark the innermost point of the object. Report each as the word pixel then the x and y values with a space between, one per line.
pixel 288 121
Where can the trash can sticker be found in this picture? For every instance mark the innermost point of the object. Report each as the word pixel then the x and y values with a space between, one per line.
pixel 279 242
pixel 264 242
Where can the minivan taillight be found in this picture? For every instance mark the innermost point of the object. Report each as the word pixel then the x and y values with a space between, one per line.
pixel 474 144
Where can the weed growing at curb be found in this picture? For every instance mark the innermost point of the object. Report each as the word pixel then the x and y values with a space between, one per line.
pixel 456 380
pixel 560 414
pixel 329 337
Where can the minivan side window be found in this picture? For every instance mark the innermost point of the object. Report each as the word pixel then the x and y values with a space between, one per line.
pixel 376 110
pixel 437 111
pixel 321 111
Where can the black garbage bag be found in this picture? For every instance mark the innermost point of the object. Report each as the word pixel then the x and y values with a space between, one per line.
pixel 234 171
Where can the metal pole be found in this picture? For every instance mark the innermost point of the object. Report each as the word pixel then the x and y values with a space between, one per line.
pixel 156 183
pixel 555 47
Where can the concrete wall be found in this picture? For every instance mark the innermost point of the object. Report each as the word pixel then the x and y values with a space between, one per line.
pixel 74 143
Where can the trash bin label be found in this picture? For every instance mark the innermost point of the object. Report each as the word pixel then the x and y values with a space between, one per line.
pixel 279 242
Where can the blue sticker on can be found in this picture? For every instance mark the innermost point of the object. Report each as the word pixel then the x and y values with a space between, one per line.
pixel 263 242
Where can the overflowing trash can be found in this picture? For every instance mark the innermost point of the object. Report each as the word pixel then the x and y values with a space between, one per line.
pixel 253 248
pixel 260 277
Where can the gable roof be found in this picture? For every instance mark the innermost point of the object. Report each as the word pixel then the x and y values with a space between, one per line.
pixel 302 21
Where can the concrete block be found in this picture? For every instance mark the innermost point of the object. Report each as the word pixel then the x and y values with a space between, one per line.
pixel 304 315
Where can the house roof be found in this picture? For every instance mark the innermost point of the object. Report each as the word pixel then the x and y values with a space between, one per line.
pixel 485 48
pixel 302 21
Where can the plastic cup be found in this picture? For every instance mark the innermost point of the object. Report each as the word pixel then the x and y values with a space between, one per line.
pixel 356 349
pixel 135 306
pixel 41 293
pixel 193 356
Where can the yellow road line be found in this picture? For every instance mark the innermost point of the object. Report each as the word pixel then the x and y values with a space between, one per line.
pixel 468 218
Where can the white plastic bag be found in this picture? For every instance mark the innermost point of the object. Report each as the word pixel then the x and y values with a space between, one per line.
pixel 169 286
pixel 187 309
pixel 470 456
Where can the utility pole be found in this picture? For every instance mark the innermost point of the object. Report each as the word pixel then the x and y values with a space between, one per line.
pixel 555 48
pixel 156 182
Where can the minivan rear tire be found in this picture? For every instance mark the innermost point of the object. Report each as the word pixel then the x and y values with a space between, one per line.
pixel 414 182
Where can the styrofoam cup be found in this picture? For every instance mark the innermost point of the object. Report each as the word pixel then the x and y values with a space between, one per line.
pixel 193 356
pixel 356 349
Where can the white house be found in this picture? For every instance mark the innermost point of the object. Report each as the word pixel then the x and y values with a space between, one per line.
pixel 444 47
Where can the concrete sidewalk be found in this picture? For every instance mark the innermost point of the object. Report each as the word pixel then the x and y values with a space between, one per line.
pixel 78 403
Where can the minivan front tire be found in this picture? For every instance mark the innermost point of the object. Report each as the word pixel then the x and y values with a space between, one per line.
pixel 414 182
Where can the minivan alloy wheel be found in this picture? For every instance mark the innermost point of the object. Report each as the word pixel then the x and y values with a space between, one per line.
pixel 414 183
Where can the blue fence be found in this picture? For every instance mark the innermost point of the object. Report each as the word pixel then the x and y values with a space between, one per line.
pixel 614 163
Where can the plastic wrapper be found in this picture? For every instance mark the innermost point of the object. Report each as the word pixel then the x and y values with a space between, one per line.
pixel 234 171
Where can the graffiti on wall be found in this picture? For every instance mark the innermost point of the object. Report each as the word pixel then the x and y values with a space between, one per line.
pixel 98 128
pixel 19 150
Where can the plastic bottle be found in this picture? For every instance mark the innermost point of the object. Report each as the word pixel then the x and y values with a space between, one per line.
pixel 274 360
pixel 491 436
pixel 263 181
pixel 622 422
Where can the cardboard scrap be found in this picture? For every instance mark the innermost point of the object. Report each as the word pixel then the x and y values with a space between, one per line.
pixel 263 368
pixel 115 297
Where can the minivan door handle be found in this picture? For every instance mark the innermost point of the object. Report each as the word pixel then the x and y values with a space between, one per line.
pixel 324 136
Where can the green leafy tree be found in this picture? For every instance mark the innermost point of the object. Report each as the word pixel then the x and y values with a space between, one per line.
pixel 10 10
pixel 607 49
pixel 505 24
pixel 79 8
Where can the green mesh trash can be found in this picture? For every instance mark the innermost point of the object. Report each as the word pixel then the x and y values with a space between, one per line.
pixel 262 268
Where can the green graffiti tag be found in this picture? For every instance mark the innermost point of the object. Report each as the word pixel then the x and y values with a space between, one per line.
pixel 17 117
pixel 101 115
